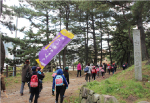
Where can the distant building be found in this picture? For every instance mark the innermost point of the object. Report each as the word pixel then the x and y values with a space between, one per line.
pixel 7 54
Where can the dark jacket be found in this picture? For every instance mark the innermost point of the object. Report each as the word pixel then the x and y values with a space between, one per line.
pixel 123 66
pixel 39 76
pixel 24 71
pixel 41 73
pixel 60 72
pixel 66 74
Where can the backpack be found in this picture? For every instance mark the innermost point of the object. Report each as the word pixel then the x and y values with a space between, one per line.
pixel 124 65
pixel 86 69
pixel 93 70
pixel 97 69
pixel 102 70
pixel 59 80
pixel 108 67
pixel 34 81
pixel 53 75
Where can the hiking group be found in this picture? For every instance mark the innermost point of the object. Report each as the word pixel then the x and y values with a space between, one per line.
pixel 96 70
pixel 34 76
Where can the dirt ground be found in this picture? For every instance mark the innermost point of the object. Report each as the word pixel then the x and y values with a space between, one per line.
pixel 46 94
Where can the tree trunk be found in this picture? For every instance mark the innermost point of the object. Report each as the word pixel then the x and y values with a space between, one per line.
pixel 2 51
pixel 87 39
pixel 64 57
pixel 94 40
pixel 1 2
pixel 145 55
pixel 47 29
pixel 64 51
pixel 129 58
pixel 101 42
pixel 59 52
pixel 2 54
pixel 101 49
pixel 123 58
pixel 109 49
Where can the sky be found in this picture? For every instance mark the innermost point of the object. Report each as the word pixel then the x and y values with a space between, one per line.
pixel 21 22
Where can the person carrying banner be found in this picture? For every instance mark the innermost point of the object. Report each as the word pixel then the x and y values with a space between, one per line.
pixel 59 81
pixel 40 72
pixel 26 71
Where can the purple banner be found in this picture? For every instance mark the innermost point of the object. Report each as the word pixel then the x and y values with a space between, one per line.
pixel 49 51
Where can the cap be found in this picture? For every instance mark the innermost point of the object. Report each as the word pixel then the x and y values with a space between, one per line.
pixel 34 68
pixel 66 68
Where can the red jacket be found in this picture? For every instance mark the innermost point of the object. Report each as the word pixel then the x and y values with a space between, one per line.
pixel 94 71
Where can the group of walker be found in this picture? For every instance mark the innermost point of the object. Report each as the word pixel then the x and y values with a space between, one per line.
pixel 34 76
pixel 93 71
pixel 96 70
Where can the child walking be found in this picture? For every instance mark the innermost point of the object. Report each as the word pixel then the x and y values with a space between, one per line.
pixel 66 74
pixel 60 82
pixel 94 72
pixel 40 80
pixel 102 71
pixel 34 84
pixel 97 69
pixel 53 75
pixel 108 68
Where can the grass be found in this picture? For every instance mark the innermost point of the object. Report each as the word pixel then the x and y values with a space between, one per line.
pixel 17 80
pixel 124 86
pixel 72 99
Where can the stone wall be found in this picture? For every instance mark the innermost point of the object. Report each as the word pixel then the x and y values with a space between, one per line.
pixel 88 96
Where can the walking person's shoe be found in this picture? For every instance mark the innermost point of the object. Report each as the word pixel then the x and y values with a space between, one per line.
pixel 21 94
pixel 30 101
pixel 53 94
pixel 64 96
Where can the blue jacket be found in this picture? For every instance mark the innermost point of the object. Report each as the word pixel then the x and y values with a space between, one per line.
pixel 60 72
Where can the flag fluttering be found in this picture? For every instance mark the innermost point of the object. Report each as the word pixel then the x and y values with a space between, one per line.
pixel 53 48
